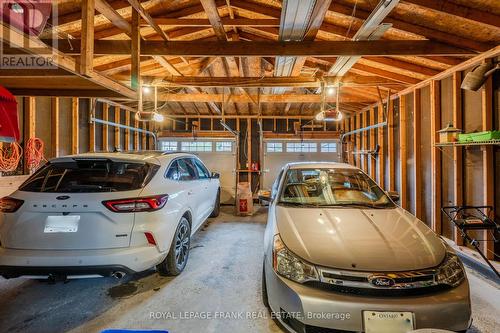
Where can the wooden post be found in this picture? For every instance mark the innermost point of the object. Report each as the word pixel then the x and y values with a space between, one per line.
pixel 373 161
pixel 351 140
pixel 29 125
pixel 403 151
pixel 249 150
pixel 105 136
pixel 417 176
pixel 87 37
pixel 136 134
pixel 381 153
pixel 457 151
pixel 118 142
pixel 364 140
pixel 151 138
pixel 358 141
pixel 75 129
pixel 54 127
pixel 91 127
pixel 390 146
pixel 135 73
pixel 436 156
pixel 487 246
pixel 127 131
pixel 143 137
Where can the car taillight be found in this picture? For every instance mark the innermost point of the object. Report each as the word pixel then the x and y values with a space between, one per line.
pixel 145 204
pixel 10 205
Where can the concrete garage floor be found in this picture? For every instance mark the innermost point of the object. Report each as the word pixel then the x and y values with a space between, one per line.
pixel 222 276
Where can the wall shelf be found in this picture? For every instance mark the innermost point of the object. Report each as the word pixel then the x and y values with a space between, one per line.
pixel 461 144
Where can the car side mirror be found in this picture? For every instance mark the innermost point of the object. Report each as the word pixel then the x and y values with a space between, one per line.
pixel 215 175
pixel 393 195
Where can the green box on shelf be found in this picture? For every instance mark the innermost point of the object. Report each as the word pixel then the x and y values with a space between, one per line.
pixel 479 136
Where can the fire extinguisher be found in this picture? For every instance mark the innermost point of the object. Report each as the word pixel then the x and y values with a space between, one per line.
pixel 255 166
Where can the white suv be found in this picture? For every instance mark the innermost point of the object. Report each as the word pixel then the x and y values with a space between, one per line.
pixel 105 214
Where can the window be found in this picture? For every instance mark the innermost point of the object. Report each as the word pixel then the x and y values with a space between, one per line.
pixel 194 146
pixel 173 171
pixel 224 146
pixel 301 147
pixel 168 145
pixel 202 170
pixel 329 147
pixel 274 147
pixel 349 188
pixel 89 175
pixel 186 169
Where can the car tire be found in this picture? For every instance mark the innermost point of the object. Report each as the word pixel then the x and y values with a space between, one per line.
pixel 178 254
pixel 265 299
pixel 216 210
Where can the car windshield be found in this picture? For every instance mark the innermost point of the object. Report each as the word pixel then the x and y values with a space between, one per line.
pixel 336 187
pixel 89 175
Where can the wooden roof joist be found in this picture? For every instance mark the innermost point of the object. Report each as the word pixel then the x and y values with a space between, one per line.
pixel 247 98
pixel 264 82
pixel 268 48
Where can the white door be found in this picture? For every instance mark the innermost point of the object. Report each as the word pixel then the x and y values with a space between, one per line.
pixel 218 155
pixel 279 152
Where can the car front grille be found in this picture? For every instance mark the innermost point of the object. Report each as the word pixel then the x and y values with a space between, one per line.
pixel 408 283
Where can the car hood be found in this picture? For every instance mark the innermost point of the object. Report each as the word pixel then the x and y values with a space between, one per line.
pixel 365 240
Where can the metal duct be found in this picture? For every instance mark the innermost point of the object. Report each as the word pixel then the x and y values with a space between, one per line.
pixel 295 21
pixel 372 29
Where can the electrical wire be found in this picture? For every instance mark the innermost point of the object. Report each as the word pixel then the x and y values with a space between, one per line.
pixel 10 155
pixel 34 153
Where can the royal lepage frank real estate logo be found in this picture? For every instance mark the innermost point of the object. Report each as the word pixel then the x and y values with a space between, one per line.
pixel 23 24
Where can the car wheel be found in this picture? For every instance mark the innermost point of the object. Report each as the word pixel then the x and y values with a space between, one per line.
pixel 178 254
pixel 265 300
pixel 216 210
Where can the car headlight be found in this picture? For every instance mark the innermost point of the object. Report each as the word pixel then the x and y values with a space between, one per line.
pixel 451 271
pixel 290 266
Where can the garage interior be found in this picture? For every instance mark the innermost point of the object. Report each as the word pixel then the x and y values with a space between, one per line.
pixel 248 86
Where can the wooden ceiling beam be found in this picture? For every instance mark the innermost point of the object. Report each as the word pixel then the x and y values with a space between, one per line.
pixel 284 98
pixel 362 13
pixel 103 7
pixel 236 22
pixel 145 15
pixel 454 9
pixel 270 48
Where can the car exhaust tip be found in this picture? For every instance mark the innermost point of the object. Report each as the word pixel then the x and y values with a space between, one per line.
pixel 118 275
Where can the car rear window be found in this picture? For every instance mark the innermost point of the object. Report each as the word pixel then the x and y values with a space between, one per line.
pixel 86 175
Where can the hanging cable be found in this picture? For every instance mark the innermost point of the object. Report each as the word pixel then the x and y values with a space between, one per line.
pixel 34 153
pixel 10 155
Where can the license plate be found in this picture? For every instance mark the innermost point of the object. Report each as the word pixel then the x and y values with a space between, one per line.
pixel 54 224
pixel 388 322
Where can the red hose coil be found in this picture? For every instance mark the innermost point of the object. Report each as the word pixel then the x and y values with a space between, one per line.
pixel 34 153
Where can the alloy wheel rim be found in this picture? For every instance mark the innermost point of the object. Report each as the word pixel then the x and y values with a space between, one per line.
pixel 182 245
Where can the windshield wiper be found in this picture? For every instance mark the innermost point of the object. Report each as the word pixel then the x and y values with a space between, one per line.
pixel 297 204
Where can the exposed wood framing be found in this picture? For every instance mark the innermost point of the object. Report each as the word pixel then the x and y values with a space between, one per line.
pixel 54 127
pixel 127 131
pixel 417 155
pixel 390 146
pixel 269 48
pixel 488 164
pixel 458 194
pixel 87 41
pixel 381 153
pixel 403 152
pixel 436 166
pixel 29 125
pixel 75 128
pixel 135 73
pixel 364 143
pixel 373 161
pixel 92 133
pixel 358 140
pixel 118 141
pixel 105 127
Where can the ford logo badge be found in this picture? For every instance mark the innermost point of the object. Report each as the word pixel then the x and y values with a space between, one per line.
pixel 381 281
pixel 63 197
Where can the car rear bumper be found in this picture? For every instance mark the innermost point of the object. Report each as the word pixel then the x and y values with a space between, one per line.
pixel 15 263
pixel 305 309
